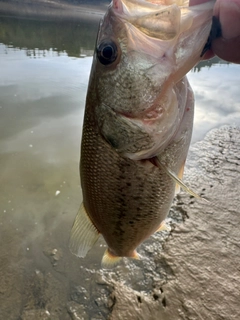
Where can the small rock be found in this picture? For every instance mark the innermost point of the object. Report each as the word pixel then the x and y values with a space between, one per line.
pixel 36 315
pixel 76 311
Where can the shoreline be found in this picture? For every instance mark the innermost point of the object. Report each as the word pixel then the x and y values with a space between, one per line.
pixel 48 10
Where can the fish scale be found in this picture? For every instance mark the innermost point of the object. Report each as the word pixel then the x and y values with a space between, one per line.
pixel 112 211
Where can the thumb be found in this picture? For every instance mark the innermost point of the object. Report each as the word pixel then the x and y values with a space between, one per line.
pixel 228 13
pixel 228 46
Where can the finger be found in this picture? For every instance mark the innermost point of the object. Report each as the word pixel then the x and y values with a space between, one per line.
pixel 208 55
pixel 228 13
pixel 227 49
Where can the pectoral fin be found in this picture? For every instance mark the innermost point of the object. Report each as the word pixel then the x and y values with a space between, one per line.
pixel 180 176
pixel 179 181
pixel 172 175
pixel 83 234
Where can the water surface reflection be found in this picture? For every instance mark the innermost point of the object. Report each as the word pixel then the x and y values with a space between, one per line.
pixel 217 96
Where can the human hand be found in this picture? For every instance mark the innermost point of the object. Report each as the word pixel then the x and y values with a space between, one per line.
pixel 227 47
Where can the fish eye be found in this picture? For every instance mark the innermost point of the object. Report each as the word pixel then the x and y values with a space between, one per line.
pixel 107 52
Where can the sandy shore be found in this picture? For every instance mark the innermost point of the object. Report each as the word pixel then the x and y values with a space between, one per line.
pixel 47 10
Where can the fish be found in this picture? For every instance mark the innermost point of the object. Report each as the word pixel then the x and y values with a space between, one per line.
pixel 138 122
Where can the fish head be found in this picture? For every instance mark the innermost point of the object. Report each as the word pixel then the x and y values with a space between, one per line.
pixel 143 50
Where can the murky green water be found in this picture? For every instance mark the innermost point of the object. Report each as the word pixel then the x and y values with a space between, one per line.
pixel 44 70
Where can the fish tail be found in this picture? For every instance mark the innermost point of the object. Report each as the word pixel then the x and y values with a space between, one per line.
pixel 83 234
pixel 109 260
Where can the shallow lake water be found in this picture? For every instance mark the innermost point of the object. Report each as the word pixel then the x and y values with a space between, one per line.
pixel 44 70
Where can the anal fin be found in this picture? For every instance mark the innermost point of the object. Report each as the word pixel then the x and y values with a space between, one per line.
pixel 83 234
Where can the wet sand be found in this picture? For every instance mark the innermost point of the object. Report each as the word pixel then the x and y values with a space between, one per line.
pixel 54 9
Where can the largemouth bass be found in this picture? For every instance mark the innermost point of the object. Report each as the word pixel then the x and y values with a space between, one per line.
pixel 138 121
